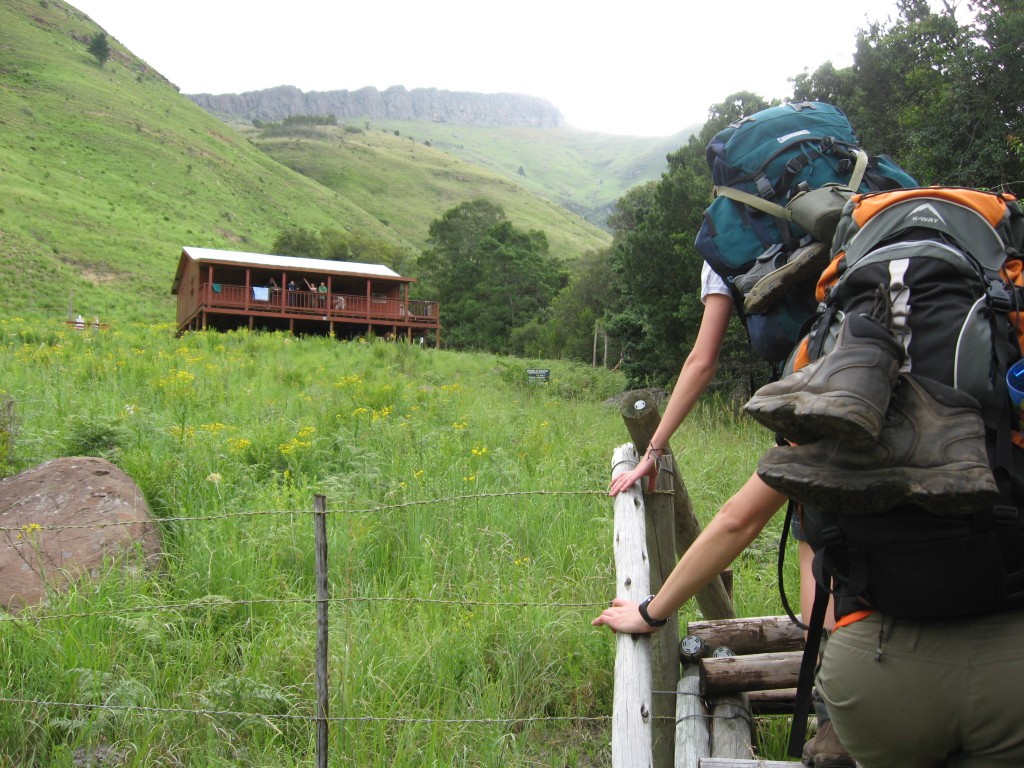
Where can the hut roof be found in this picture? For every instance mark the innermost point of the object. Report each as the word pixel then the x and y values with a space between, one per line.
pixel 287 263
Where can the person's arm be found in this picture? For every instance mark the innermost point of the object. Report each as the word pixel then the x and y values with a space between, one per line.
pixel 697 371
pixel 730 531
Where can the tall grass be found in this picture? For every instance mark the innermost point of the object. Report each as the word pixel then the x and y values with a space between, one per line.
pixel 462 585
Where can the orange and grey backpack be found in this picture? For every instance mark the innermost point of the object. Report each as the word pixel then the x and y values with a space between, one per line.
pixel 946 264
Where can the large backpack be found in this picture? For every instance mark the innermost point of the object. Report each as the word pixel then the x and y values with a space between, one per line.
pixel 947 262
pixel 759 165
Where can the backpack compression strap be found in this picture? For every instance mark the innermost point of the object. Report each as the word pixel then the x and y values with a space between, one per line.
pixel 779 211
pixel 772 209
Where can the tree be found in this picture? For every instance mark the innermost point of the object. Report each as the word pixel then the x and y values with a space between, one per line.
pixel 99 47
pixel 941 97
pixel 567 329
pixel 299 241
pixel 658 267
pixel 490 276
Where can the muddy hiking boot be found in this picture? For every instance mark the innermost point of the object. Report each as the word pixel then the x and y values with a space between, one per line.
pixel 764 285
pixel 843 394
pixel 824 749
pixel 930 452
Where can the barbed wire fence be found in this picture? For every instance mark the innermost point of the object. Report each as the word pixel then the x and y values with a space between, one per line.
pixel 321 601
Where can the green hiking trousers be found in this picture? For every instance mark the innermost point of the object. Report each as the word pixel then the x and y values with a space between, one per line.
pixel 912 694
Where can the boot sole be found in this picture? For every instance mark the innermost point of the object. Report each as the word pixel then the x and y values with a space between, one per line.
pixel 804 417
pixel 951 489
pixel 769 290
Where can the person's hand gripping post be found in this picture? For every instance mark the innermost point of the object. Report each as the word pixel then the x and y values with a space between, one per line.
pixel 648 467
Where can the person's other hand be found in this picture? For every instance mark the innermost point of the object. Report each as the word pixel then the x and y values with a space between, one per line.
pixel 623 616
pixel 647 467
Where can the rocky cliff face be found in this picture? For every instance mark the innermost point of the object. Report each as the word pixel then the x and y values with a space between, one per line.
pixel 396 103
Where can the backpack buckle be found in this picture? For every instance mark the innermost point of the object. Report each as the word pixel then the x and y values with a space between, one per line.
pixel 764 188
pixel 831 534
pixel 998 296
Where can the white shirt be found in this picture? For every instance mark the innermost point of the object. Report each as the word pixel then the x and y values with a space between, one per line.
pixel 711 282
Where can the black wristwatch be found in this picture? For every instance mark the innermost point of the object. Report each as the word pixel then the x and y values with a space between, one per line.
pixel 647 617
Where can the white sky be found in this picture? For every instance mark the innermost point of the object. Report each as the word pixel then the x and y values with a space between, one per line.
pixel 646 67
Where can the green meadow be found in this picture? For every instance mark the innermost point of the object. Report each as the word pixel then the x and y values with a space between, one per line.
pixel 469 540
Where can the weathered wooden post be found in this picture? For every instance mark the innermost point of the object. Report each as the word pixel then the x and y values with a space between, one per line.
pixel 693 739
pixel 632 722
pixel 660 534
pixel 640 414
pixel 731 727
pixel 320 542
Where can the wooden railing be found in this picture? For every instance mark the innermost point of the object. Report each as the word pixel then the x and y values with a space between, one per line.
pixel 336 306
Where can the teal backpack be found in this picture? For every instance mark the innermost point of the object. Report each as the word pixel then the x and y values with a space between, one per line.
pixel 763 167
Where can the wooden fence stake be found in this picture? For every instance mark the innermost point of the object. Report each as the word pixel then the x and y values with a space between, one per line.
pixel 731 727
pixel 322 596
pixel 659 528
pixel 639 411
pixel 693 739
pixel 632 727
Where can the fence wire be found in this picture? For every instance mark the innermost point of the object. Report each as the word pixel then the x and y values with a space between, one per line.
pixel 207 603
pixel 260 513
pixel 307 718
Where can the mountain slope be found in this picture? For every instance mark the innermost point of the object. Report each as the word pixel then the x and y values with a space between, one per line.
pixel 108 171
pixel 406 183
pixel 583 171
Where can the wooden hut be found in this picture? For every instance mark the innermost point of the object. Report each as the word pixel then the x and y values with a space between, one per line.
pixel 225 290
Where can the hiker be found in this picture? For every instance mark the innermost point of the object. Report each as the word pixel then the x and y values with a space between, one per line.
pixel 782 176
pixel 911 479
pixel 739 520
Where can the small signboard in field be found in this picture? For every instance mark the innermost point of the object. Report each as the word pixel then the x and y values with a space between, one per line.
pixel 538 375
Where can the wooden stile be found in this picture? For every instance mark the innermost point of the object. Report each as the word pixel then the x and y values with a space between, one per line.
pixel 751 672
pixel 781 701
pixel 714 762
pixel 761 634
pixel 640 414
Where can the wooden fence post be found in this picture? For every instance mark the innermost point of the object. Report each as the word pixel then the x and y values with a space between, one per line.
pixel 660 534
pixel 632 723
pixel 320 535
pixel 693 739
pixel 640 413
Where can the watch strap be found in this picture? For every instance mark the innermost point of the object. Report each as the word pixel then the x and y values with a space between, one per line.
pixel 647 617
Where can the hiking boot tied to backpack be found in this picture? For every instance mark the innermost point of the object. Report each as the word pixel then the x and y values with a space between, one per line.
pixel 930 452
pixel 843 395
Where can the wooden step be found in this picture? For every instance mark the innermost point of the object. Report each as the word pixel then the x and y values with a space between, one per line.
pixel 724 762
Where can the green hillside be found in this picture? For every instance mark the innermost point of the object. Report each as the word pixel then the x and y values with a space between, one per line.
pixel 406 184
pixel 581 171
pixel 108 171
